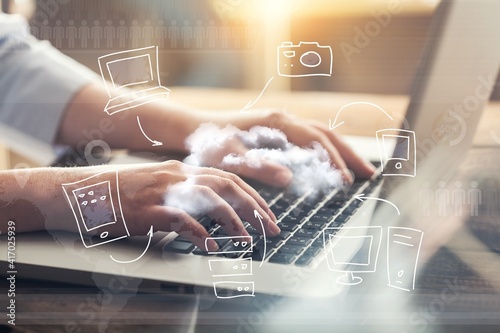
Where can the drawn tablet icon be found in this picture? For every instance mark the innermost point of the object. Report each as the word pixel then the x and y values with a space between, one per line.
pixel 402 161
pixel 95 202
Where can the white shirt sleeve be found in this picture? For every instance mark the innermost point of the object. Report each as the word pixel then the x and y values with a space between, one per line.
pixel 36 81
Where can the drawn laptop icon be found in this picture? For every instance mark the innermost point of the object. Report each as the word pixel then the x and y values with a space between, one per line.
pixel 137 69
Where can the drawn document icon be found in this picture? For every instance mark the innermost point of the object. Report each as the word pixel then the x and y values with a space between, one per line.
pixel 137 69
pixel 95 202
pixel 237 269
pixel 403 248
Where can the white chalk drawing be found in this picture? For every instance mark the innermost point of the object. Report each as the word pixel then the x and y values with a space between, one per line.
pixel 96 206
pixel 227 267
pixel 403 161
pixel 230 267
pixel 337 239
pixel 259 217
pixel 336 123
pixel 137 69
pixel 241 244
pixel 252 103
pixel 304 59
pixel 403 250
pixel 233 289
pixel 154 142
pixel 150 234
pixel 362 197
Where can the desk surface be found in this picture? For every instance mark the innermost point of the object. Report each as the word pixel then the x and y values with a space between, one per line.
pixel 361 120
pixel 51 307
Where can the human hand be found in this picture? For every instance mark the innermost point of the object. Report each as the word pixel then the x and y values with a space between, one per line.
pixel 300 132
pixel 170 196
pixel 143 201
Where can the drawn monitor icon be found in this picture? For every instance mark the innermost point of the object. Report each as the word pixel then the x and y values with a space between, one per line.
pixel 402 160
pixel 339 243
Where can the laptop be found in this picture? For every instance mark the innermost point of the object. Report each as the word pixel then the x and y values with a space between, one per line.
pixel 328 244
pixel 132 78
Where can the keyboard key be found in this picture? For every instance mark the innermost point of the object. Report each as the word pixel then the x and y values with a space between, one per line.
pixel 349 210
pixel 200 252
pixel 318 243
pixel 291 219
pixel 252 231
pixel 303 261
pixel 306 233
pixel 182 239
pixel 298 241
pixel 219 232
pixel 340 196
pixel 273 242
pixel 336 223
pixel 284 234
pixel 258 250
pixel 342 218
pixel 268 194
pixel 356 203
pixel 281 207
pixel 205 221
pixel 292 249
pixel 324 218
pixel 300 212
pixel 328 211
pixel 179 247
pixel 282 258
pixel 287 226
pixel 290 197
pixel 315 225
pixel 312 252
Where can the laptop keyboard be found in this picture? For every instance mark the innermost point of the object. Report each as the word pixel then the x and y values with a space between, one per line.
pixel 301 220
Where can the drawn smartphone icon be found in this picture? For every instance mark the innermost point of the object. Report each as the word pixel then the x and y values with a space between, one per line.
pixel 403 160
pixel 95 202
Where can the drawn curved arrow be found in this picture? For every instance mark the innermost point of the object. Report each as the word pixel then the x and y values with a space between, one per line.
pixel 258 216
pixel 150 234
pixel 250 104
pixel 360 197
pixel 334 125
pixel 155 143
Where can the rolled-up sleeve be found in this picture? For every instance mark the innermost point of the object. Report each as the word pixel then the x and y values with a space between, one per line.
pixel 36 81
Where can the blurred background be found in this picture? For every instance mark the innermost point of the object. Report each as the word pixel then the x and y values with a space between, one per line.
pixel 233 43
pixel 376 44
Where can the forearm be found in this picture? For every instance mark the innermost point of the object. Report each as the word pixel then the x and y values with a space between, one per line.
pixel 85 120
pixel 34 199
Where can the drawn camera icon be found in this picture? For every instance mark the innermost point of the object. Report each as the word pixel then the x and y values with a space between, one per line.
pixel 304 59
